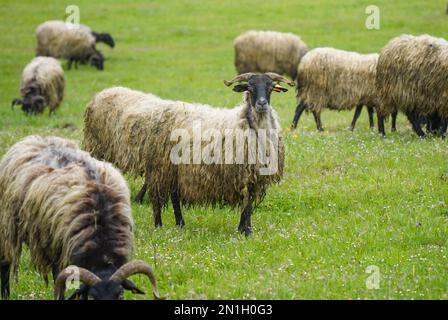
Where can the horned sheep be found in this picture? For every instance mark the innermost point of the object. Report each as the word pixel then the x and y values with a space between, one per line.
pixel 42 85
pixel 134 131
pixel 73 212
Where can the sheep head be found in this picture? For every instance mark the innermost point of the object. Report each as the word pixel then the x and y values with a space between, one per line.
pixel 96 58
pixel 105 285
pixel 259 87
pixel 33 102
pixel 105 38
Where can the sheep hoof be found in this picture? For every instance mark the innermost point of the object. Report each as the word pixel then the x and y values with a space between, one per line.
pixel 180 224
pixel 246 230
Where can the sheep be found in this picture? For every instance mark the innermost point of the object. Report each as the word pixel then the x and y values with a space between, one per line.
pixel 411 78
pixel 337 80
pixel 76 43
pixel 42 85
pixel 73 212
pixel 269 51
pixel 137 133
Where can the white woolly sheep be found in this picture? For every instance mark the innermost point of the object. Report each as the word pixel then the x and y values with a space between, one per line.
pixel 412 78
pixel 42 85
pixel 73 212
pixel 269 51
pixel 76 43
pixel 337 80
pixel 134 131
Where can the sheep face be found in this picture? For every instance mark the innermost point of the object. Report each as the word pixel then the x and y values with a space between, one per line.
pixel 106 284
pixel 259 88
pixel 96 59
pixel 32 103
pixel 105 290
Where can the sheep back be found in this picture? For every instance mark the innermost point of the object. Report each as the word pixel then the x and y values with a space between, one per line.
pixel 67 207
pixel 268 51
pixel 47 74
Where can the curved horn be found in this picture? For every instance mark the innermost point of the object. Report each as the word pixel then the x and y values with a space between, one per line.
pixel 135 267
pixel 240 78
pixel 279 78
pixel 15 102
pixel 85 276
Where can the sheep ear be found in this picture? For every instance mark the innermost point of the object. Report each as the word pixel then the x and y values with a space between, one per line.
pixel 279 88
pixel 241 87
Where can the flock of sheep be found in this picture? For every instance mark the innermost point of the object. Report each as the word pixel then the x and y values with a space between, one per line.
pixel 73 211
pixel 408 75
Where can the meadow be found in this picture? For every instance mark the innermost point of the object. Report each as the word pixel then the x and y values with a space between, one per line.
pixel 348 200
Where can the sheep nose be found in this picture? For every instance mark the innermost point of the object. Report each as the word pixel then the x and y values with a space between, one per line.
pixel 262 101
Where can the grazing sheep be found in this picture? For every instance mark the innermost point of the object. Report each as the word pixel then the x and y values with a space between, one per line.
pixel 68 41
pixel 412 78
pixel 337 80
pixel 42 85
pixel 73 212
pixel 135 131
pixel 269 51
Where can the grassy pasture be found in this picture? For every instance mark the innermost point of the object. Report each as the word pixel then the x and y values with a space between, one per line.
pixel 347 201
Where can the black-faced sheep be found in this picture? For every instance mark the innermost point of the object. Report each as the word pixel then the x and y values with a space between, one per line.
pixel 138 133
pixel 269 51
pixel 73 212
pixel 42 85
pixel 337 80
pixel 76 43
pixel 412 78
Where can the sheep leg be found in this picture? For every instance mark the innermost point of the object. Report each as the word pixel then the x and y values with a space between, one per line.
pixel 69 64
pixel 318 122
pixel 371 122
pixel 394 121
pixel 416 125
pixel 356 116
pixel 176 207
pixel 76 64
pixel 245 225
pixel 5 273
pixel 299 110
pixel 157 211
pixel 55 272
pixel 381 124
pixel 141 194
pixel 443 127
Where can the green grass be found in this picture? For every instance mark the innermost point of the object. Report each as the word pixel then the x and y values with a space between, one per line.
pixel 347 200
